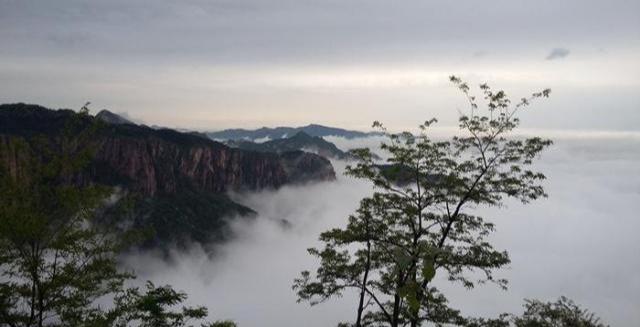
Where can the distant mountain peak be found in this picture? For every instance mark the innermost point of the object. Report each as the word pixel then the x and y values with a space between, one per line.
pixel 112 118
pixel 312 130
pixel 301 140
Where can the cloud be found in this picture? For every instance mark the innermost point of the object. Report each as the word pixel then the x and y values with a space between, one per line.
pixel 298 31
pixel 221 63
pixel 479 54
pixel 580 242
pixel 249 280
pixel 558 53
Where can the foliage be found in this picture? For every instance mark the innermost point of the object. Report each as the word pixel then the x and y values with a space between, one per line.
pixel 54 262
pixel 404 235
pixel 179 219
pixel 563 312
pixel 153 308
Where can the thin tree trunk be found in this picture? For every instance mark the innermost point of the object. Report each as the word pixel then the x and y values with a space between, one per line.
pixel 395 321
pixel 415 313
pixel 34 281
pixel 367 267
pixel 32 316
pixel 40 309
pixel 364 285
pixel 396 311
pixel 416 238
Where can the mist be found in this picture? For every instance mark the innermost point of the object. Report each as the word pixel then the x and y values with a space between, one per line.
pixel 580 242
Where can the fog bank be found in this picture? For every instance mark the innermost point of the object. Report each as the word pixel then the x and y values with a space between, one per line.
pixel 581 242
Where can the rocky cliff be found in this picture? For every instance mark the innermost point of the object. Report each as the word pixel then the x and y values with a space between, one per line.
pixel 164 160
pixel 160 167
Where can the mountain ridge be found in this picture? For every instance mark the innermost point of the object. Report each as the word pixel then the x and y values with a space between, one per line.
pixel 299 141
pixel 273 133
pixel 158 167
pixel 112 118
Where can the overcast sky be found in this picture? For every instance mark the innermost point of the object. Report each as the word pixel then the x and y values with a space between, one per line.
pixel 216 64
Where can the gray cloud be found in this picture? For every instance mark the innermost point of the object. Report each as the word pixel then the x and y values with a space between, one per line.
pixel 227 63
pixel 580 242
pixel 302 31
pixel 558 53
pixel 479 54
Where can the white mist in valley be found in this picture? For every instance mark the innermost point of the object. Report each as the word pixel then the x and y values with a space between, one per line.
pixel 580 242
pixel 249 279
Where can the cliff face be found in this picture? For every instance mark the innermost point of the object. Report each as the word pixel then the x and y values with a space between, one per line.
pixel 154 165
pixel 152 161
pixel 160 164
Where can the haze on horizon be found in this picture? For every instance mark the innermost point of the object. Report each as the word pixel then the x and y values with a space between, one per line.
pixel 219 64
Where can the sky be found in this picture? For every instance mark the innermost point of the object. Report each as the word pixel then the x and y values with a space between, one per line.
pixel 580 242
pixel 210 65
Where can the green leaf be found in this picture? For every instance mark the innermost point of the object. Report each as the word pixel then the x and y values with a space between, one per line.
pixel 428 270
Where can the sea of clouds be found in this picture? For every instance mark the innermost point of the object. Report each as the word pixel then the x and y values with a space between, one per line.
pixel 581 242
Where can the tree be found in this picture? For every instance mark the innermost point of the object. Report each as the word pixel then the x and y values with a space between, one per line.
pixel 154 308
pixel 54 261
pixel 563 312
pixel 413 228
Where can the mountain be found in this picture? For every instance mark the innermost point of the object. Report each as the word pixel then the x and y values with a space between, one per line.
pixel 283 132
pixel 299 141
pixel 175 182
pixel 111 118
